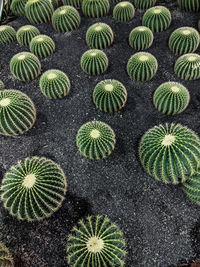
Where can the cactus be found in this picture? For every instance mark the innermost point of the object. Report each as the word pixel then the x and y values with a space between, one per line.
pixel 2 86
pixel 124 11
pixel 109 95
pixel 38 11
pixel 157 18
pixel 6 259
pixel 18 7
pixel 144 4
pixel 66 18
pixel 171 98
pixel 142 66
pixel 94 62
pixel 187 67
pixel 96 241
pixel 25 66
pixel 141 38
pixel 99 36
pixel 95 140
pixel 42 46
pixel 26 33
pixel 95 8
pixel 74 3
pixel 17 112
pixel 7 34
pixel 54 84
pixel 189 5
pixel 54 3
pixel 33 189
pixel 184 40
pixel 170 153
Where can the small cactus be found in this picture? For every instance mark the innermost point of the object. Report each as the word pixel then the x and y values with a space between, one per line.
pixel 26 33
pixel 170 153
pixel 124 11
pixel 141 38
pixel 6 259
pixel 144 4
pixel 157 18
pixel 65 19
pixel 95 140
pixel 187 67
pixel 18 7
pixel 142 66
pixel 54 84
pixel 38 11
pixel 109 95
pixel 96 241
pixel 184 40
pixel 17 112
pixel 33 189
pixel 171 98
pixel 99 36
pixel 189 5
pixel 2 86
pixel 7 34
pixel 94 62
pixel 25 66
pixel 74 3
pixel 42 46
pixel 95 8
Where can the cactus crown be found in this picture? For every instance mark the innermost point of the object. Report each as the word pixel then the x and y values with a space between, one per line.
pixel 26 33
pixel 7 34
pixel 123 11
pixel 6 259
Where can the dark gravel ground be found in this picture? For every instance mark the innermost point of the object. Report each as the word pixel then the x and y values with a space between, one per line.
pixel 160 224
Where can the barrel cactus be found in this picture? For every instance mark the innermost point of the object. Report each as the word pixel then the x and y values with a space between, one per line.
pixel 142 66
pixel 42 46
pixel 171 98
pixel 66 18
pixel 96 241
pixel 54 84
pixel 95 8
pixel 26 33
pixel 17 112
pixel 124 11
pixel 7 34
pixel 141 38
pixel 95 140
pixel 187 67
pixel 74 3
pixel 189 5
pixel 144 4
pixel 18 7
pixel 6 259
pixel 38 11
pixel 2 86
pixel 94 62
pixel 170 153
pixel 25 66
pixel 99 36
pixel 33 189
pixel 157 18
pixel 109 95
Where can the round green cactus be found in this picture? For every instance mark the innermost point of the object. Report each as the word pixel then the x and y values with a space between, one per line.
pixel 184 40
pixel 142 66
pixel 42 46
pixel 95 140
pixel 38 11
pixel 18 7
pixel 109 95
pixel 94 62
pixel 17 112
pixel 187 67
pixel 99 36
pixel 171 98
pixel 74 3
pixel 65 19
pixel 144 4
pixel 157 18
pixel 95 8
pixel 6 259
pixel 33 189
pixel 7 34
pixel 26 33
pixel 96 241
pixel 189 5
pixel 54 84
pixel 170 153
pixel 124 11
pixel 2 86
pixel 141 38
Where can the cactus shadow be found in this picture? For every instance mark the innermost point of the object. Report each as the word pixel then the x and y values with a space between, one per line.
pixel 195 238
pixel 40 126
